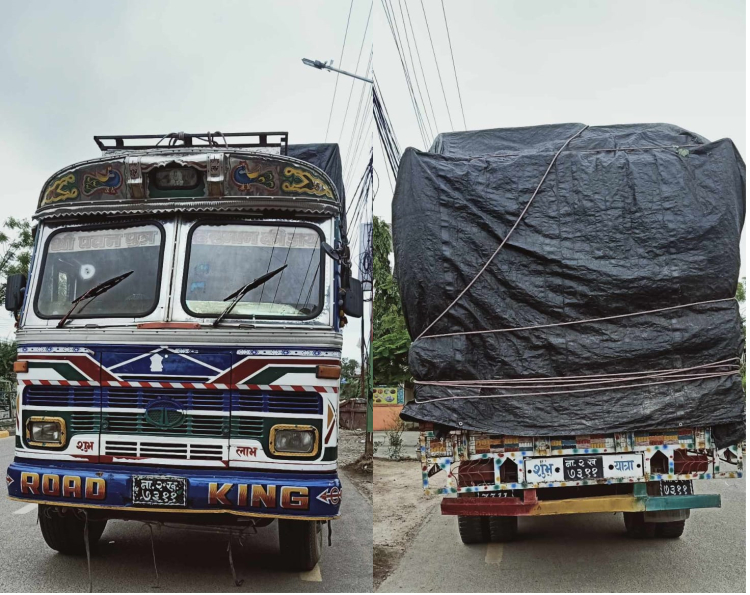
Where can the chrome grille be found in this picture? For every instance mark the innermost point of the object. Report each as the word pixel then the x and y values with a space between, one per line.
pixel 164 450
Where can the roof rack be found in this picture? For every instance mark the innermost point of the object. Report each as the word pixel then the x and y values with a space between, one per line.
pixel 256 140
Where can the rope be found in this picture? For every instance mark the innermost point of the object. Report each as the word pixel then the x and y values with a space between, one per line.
pixel 512 229
pixel 724 362
pixel 581 390
pixel 616 316
pixel 521 384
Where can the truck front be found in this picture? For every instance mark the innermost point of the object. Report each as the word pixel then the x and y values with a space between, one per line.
pixel 180 343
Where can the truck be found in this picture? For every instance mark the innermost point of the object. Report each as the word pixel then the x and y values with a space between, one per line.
pixel 179 340
pixel 577 346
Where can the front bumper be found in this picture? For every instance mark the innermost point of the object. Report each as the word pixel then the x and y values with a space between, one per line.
pixel 296 495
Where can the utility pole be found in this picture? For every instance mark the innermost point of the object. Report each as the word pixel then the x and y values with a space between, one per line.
pixel 366 372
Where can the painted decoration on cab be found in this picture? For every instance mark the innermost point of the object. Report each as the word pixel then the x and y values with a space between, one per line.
pixel 63 188
pixel 244 176
pixel 299 181
pixel 107 181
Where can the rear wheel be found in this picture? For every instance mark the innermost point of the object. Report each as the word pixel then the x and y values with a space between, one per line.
pixel 301 543
pixel 473 529
pixel 64 531
pixel 671 530
pixel 503 528
pixel 637 527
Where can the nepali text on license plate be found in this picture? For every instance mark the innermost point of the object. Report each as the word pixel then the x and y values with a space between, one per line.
pixel 159 490
pixel 583 467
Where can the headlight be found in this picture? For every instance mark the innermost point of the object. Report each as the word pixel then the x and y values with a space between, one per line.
pixel 294 440
pixel 45 431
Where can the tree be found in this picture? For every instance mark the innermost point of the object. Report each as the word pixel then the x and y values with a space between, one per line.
pixel 350 379
pixel 391 339
pixel 16 242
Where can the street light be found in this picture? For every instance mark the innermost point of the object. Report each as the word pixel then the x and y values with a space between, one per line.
pixel 327 66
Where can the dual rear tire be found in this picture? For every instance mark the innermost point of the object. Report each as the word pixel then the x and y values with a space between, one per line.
pixel 638 528
pixel 478 529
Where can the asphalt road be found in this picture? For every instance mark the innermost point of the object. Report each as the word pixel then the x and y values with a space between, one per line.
pixel 186 561
pixel 584 553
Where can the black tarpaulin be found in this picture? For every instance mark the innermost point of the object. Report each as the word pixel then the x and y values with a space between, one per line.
pixel 325 156
pixel 630 218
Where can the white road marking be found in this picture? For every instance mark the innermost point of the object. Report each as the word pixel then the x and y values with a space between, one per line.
pixel 494 553
pixel 25 509
pixel 312 576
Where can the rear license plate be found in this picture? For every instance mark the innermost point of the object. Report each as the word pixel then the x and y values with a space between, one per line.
pixel 576 468
pixel 681 487
pixel 159 490
pixel 583 467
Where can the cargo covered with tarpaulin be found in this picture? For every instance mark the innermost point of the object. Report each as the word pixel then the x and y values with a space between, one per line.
pixel 565 279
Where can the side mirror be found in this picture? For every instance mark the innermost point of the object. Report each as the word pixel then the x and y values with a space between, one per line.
pixel 14 290
pixel 354 303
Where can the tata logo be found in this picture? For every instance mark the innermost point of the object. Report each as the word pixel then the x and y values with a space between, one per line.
pixel 165 414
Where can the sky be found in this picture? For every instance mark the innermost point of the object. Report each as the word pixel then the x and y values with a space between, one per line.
pixel 74 69
pixel 530 62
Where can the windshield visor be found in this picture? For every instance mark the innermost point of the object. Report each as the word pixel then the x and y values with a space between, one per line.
pixel 224 258
pixel 77 260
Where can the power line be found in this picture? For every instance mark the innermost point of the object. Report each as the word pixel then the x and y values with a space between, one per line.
pixel 341 57
pixel 358 128
pixel 359 56
pixel 397 40
pixel 442 2
pixel 434 55
pixel 419 59
pixel 414 70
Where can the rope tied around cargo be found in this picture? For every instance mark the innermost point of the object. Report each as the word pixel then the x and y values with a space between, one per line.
pixel 672 376
pixel 505 239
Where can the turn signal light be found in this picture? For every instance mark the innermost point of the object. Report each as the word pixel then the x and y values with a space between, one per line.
pixel 328 372
pixel 20 367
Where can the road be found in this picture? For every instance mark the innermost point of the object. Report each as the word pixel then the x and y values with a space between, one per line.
pixel 584 553
pixel 186 561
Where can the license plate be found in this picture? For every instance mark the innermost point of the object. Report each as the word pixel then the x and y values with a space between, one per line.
pixel 500 494
pixel 583 467
pixel 576 468
pixel 680 487
pixel 159 490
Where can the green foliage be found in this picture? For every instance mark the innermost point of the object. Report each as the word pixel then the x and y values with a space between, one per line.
pixel 350 379
pixel 8 351
pixel 391 339
pixel 15 250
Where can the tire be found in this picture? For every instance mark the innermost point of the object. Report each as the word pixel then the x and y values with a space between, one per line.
pixel 473 529
pixel 301 543
pixel 503 528
pixel 63 530
pixel 671 530
pixel 636 527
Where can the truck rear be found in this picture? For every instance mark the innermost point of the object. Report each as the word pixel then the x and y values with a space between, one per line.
pixel 577 346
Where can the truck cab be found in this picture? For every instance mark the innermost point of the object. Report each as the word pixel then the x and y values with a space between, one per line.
pixel 179 339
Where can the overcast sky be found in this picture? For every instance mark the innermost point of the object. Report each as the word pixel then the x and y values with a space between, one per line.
pixel 73 69
pixel 530 62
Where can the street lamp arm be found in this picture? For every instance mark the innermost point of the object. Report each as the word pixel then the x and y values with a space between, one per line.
pixel 324 66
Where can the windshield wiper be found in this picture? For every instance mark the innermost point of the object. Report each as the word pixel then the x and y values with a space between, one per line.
pixel 244 290
pixel 92 293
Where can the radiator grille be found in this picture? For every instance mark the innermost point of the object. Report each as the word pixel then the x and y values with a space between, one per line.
pixel 164 450
pixel 198 399
pixel 213 426
pixel 61 396
pixel 277 402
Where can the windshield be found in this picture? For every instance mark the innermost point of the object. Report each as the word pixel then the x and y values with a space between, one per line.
pixel 224 258
pixel 78 260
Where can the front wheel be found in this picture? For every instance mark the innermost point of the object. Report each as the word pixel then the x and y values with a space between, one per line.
pixel 63 530
pixel 301 543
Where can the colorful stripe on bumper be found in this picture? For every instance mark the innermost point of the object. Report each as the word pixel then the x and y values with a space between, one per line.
pixel 528 505
pixel 243 493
